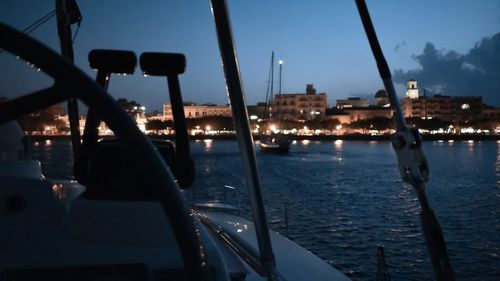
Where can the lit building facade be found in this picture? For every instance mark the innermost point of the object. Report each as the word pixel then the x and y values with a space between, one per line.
pixel 192 110
pixel 352 102
pixel 352 114
pixel 299 106
pixel 439 106
pixel 412 89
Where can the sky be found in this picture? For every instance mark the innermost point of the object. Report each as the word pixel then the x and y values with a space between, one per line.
pixel 447 45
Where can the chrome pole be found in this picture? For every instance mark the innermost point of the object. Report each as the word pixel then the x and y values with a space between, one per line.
pixel 244 137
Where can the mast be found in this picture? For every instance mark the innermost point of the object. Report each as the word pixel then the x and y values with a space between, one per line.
pixel 67 13
pixel 269 91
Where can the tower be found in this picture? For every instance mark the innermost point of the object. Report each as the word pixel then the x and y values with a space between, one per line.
pixel 412 89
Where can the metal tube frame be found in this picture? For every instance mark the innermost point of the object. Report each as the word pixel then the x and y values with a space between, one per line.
pixel 244 136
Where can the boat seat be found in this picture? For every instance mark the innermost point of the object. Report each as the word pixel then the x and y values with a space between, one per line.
pixel 135 272
pixel 114 175
pixel 115 231
pixel 31 220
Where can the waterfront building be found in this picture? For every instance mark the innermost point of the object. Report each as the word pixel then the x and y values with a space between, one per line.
pixel 382 99
pixel 459 108
pixel 257 111
pixel 412 89
pixel 491 113
pixel 348 115
pixel 300 106
pixel 356 109
pixel 352 102
pixel 192 110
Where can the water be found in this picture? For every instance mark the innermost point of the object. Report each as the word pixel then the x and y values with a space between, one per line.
pixel 345 198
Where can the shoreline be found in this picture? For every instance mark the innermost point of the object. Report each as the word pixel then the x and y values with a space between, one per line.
pixel 353 137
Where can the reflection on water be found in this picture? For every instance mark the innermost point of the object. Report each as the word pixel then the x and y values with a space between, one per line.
pixel 208 144
pixel 338 143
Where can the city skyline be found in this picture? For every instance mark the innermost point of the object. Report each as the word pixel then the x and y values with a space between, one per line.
pixel 321 44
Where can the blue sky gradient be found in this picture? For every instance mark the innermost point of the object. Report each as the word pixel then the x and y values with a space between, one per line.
pixel 321 42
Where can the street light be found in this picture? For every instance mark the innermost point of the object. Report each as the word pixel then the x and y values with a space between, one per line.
pixel 280 62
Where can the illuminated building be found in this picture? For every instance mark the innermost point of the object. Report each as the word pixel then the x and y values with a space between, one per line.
pixel 192 110
pixel 439 106
pixel 352 102
pixel 299 106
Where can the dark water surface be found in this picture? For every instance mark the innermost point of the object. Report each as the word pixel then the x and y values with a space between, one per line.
pixel 345 198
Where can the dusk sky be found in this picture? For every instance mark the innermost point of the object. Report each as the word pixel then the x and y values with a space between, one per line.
pixel 440 43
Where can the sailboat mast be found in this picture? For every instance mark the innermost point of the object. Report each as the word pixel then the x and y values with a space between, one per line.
pixel 64 20
pixel 269 91
pixel 271 82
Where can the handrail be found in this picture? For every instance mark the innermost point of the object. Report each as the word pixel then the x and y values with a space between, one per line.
pixel 243 134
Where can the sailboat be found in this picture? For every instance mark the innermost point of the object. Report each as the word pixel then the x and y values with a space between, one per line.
pixel 138 226
pixel 271 139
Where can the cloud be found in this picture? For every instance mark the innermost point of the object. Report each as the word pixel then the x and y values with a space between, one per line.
pixel 399 46
pixel 476 73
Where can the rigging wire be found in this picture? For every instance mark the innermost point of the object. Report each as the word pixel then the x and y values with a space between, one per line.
pixel 76 32
pixel 39 22
pixel 32 27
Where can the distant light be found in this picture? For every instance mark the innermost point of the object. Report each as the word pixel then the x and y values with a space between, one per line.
pixel 280 61
pixel 338 127
pixel 253 117
pixel 208 128
pixel 338 142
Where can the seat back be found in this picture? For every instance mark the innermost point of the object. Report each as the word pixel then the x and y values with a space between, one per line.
pixel 114 175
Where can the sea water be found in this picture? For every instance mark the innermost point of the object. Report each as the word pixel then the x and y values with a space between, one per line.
pixel 343 198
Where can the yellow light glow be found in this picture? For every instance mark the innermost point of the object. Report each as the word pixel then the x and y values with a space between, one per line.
pixel 59 191
pixel 208 144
